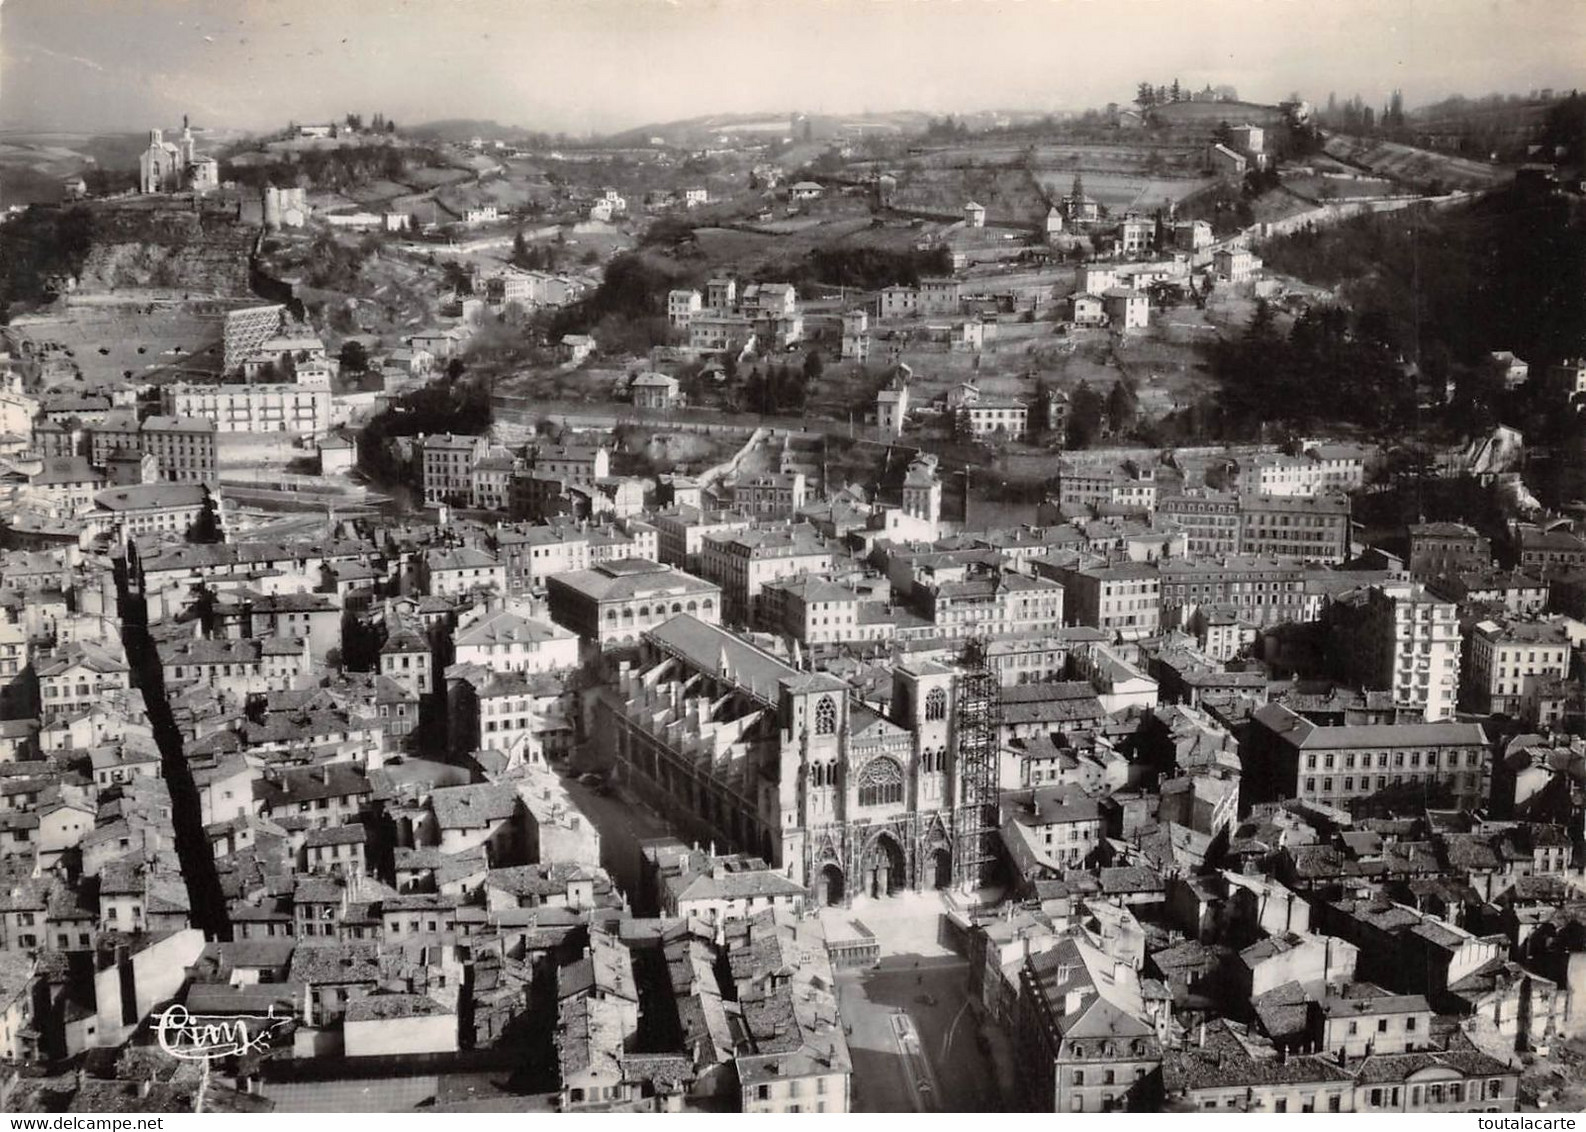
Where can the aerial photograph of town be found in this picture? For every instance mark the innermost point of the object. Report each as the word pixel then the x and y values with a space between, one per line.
pixel 797 556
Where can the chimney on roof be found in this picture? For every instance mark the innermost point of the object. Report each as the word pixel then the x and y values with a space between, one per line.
pixel 322 772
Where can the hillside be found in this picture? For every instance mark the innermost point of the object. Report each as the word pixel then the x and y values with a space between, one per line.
pixel 197 254
pixel 1505 272
pixel 1433 172
pixel 769 125
pixel 1205 116
pixel 464 130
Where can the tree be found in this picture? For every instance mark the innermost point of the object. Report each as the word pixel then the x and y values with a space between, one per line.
pixel 1144 96
pixel 1175 94
pixel 354 358
pixel 520 250
pixel 814 365
pixel 1123 405
pixel 1086 409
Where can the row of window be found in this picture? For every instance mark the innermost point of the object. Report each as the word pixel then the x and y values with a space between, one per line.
pixel 1451 760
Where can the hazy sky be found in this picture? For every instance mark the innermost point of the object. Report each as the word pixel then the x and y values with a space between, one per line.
pixel 580 65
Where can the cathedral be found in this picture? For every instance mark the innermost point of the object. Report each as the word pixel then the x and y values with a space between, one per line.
pixel 763 758
pixel 166 167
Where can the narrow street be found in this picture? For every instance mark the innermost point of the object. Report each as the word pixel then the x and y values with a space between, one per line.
pixel 193 850
pixel 623 822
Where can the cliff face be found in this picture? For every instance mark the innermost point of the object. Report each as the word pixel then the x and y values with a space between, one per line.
pixel 176 251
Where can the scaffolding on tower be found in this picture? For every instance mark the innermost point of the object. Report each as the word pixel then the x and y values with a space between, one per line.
pixel 978 725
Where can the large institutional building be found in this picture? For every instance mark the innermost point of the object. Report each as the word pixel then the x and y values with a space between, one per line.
pixel 791 765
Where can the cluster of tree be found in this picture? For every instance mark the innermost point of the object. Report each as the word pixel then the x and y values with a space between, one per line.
pixel 345 167
pixel 40 249
pixel 1224 206
pixel 1147 96
pixel 354 357
pixel 781 388
pixel 456 403
pixel 1092 416
pixel 1564 127
pixel 1332 366
pixel 1504 273
pixel 946 129
pixel 870 268
pixel 534 257
pixel 379 124
pixel 1355 116
pixel 626 313
pixel 336 265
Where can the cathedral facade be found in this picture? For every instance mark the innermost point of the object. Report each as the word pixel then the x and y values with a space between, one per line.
pixel 758 756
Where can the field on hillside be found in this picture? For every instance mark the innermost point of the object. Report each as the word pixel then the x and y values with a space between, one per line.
pixel 1008 193
pixel 1207 115
pixel 1420 167
pixel 1117 191
pixel 1319 188
pixel 432 178
pixel 377 192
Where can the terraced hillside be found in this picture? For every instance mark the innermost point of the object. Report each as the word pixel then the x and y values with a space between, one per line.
pixel 1408 165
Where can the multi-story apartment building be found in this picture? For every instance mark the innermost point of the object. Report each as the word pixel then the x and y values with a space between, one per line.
pixel 816 612
pixel 1319 469
pixel 138 509
pixel 1513 591
pixel 1550 551
pixel 77 678
pixel 447 467
pixel 988 417
pixel 1507 661
pixel 1285 755
pixel 1085 1041
pixel 531 555
pixel 1399 638
pixel 505 641
pixel 1444 549
pixel 117 432
pixel 770 495
pixel 897 301
pixel 710 333
pixel 742 562
pixel 1125 484
pixel 575 463
pixel 446 573
pixel 265 407
pixel 1262 591
pixel 681 307
pixel 1313 529
pixel 681 531
pixel 490 487
pixel 1210 520
pixel 184 448
pixel 615 603
pixel 1123 598
pixel 1004 602
pixel 1037 658
pixel 940 297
